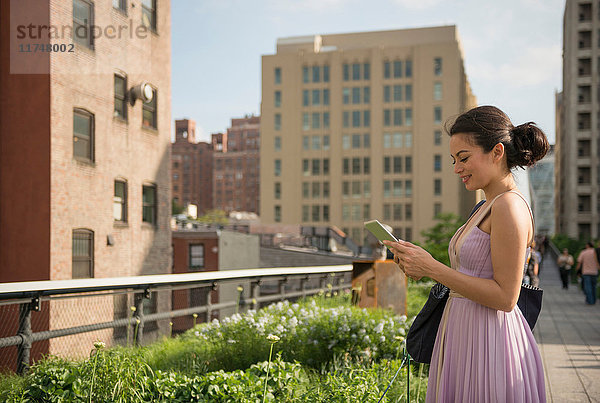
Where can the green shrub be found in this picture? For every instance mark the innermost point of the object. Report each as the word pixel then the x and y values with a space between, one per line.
pixel 326 352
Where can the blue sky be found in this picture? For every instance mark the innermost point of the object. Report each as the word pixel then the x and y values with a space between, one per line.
pixel 512 49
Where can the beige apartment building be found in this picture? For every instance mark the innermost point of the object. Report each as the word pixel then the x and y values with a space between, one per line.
pixel 577 164
pixel 352 130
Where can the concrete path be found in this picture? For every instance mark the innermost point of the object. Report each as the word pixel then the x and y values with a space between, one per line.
pixel 568 335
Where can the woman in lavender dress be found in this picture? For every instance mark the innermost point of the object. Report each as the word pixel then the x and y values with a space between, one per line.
pixel 484 350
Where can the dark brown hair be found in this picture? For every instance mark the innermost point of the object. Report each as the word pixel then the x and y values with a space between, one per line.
pixel 524 145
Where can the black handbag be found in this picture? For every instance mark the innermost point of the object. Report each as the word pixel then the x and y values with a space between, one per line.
pixel 423 331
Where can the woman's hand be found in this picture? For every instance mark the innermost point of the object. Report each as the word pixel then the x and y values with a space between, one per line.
pixel 413 260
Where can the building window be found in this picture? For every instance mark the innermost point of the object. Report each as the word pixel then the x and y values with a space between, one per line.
pixel 387 121
pixel 83 254
pixel 149 14
pixel 346 166
pixel 437 187
pixel 397 188
pixel 408 212
pixel 408 164
pixel 408 68
pixel 437 209
pixel 366 95
pixel 120 96
pixel 316 97
pixel 387 212
pixel 387 188
pixel 326 120
pixel 366 118
pixel 366 71
pixel 277 143
pixel 149 111
pixel 437 137
pixel 437 91
pixel 397 212
pixel 277 213
pixel 305 76
pixel 316 74
pixel 397 164
pixel 325 166
pixel 83 21
pixel 386 165
pixel 316 190
pixel 316 213
pixel 408 140
pixel 316 120
pixel 120 5
pixel 346 72
pixel 355 118
pixel 325 212
pixel 277 121
pixel 326 73
pixel 305 189
pixel 386 70
pixel 149 204
pixel 305 167
pixel 196 256
pixel 437 115
pixel 277 99
pixel 408 93
pixel 356 95
pixel 277 75
pixel 355 71
pixel 325 189
pixel 277 190
pixel 397 69
pixel 437 163
pixel 316 167
pixel 408 117
pixel 355 217
pixel 408 188
pixel 316 142
pixel 387 94
pixel 397 117
pixel 120 201
pixel 437 66
pixel 326 97
pixel 83 134
pixel 278 167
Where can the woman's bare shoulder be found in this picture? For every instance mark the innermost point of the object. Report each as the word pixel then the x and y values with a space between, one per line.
pixel 510 206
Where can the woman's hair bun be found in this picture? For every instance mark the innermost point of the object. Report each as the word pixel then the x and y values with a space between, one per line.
pixel 530 144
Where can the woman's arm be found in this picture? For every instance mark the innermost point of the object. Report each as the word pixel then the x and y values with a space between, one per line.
pixel 510 229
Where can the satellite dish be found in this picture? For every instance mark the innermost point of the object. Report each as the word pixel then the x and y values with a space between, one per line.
pixel 143 91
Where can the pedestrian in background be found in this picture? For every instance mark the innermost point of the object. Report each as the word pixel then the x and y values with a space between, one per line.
pixel 587 263
pixel 565 262
pixel 533 266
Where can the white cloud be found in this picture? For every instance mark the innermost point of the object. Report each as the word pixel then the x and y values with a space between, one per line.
pixel 531 66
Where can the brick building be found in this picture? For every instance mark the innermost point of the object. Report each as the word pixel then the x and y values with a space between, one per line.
pixel 236 166
pixel 192 167
pixel 84 149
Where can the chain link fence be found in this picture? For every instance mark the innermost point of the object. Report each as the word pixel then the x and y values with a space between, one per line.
pixel 66 323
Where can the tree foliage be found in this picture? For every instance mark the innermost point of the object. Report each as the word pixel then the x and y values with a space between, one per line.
pixel 214 216
pixel 176 208
pixel 437 238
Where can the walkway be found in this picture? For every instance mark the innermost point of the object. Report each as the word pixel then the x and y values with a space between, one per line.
pixel 568 334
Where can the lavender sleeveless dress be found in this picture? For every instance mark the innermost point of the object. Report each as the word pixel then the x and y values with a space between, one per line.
pixel 481 354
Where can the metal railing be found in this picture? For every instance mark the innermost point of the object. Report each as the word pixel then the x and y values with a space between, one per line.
pixel 53 301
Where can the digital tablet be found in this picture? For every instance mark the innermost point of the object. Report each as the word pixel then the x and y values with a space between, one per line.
pixel 379 231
